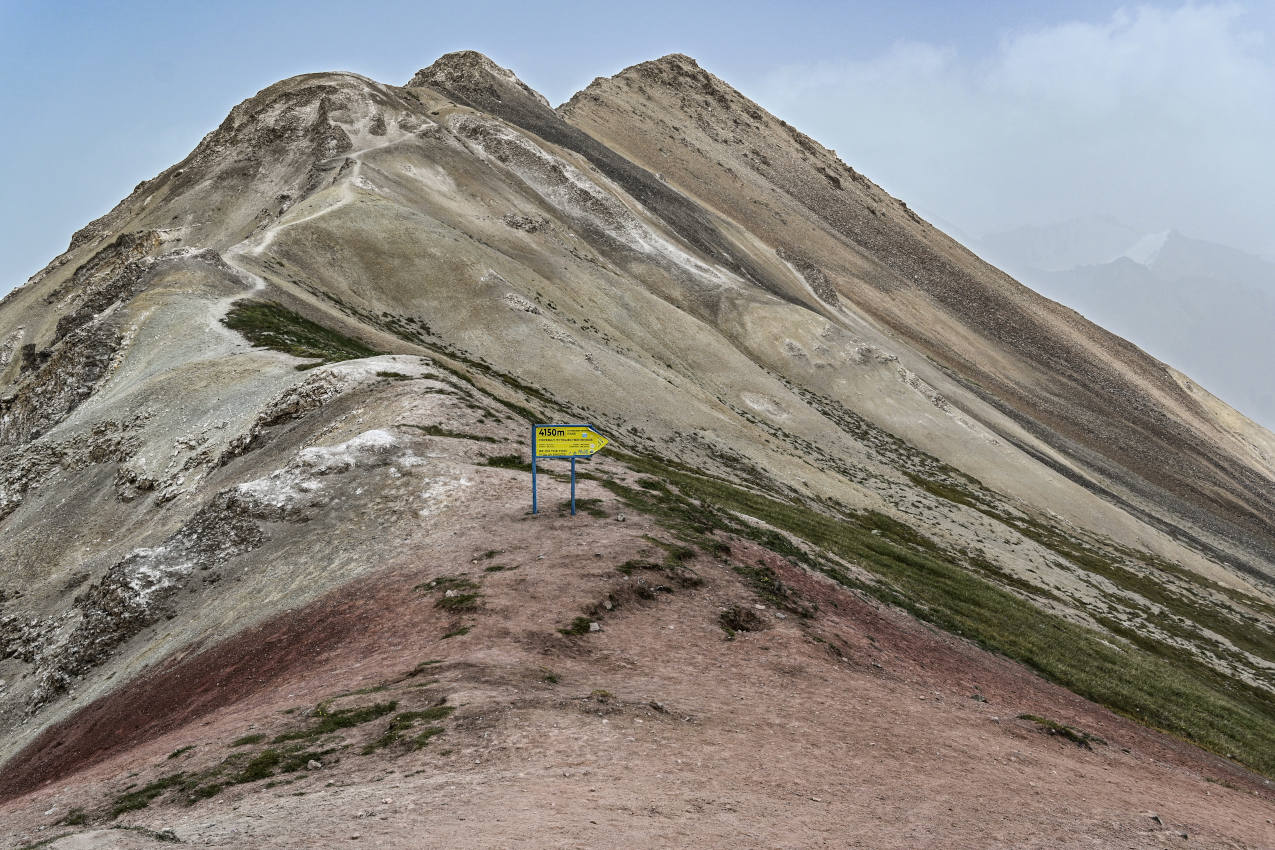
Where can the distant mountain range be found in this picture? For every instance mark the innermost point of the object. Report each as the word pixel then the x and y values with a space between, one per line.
pixel 1202 307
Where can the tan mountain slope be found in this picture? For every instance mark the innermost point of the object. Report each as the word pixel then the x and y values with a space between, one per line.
pixel 1112 410
pixel 263 432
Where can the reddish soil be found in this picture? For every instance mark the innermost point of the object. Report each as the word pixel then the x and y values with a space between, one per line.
pixel 854 728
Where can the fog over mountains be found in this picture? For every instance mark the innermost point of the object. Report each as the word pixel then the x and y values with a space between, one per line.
pixel 1202 307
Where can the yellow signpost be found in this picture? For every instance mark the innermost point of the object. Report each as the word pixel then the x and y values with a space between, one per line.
pixel 565 441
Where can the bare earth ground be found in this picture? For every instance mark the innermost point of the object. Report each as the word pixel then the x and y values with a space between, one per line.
pixel 854 728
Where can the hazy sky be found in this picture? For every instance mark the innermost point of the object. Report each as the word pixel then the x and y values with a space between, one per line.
pixel 985 115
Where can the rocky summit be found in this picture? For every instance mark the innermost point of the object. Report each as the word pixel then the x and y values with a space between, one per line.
pixel 886 550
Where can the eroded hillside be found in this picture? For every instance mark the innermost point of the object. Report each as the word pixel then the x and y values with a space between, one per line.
pixel 264 494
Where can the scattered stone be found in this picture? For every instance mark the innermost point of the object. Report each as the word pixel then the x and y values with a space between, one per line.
pixel 314 764
pixel 594 627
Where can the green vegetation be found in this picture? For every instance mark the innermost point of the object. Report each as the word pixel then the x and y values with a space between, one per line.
pixel 673 567
pixel 458 602
pixel 403 722
pixel 460 582
pixel 423 667
pixel 424 737
pixel 1146 679
pixel 1052 727
pixel 578 626
pixel 133 800
pixel 592 507
pixel 327 721
pixel 459 593
pixel 289 752
pixel 460 632
pixel 236 769
pixel 270 325
pixel 180 750
pixel 513 461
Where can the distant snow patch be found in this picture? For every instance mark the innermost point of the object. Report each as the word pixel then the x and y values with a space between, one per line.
pixel 1148 248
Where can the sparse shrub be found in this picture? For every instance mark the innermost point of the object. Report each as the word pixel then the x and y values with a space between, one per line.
pixel 579 626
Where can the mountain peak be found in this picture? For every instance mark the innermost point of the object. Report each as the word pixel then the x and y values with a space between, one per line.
pixel 468 70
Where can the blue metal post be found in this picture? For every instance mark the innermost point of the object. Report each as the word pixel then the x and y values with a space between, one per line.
pixel 533 469
pixel 573 486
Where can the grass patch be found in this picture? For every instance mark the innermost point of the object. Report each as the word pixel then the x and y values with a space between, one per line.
pixel 592 507
pixel 248 740
pixel 261 766
pixel 460 583
pixel 181 750
pixel 461 632
pixel 330 721
pixel 458 602
pixel 578 626
pixel 132 801
pixel 403 722
pixel 424 737
pixel 269 325
pixel 423 667
pixel 513 461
